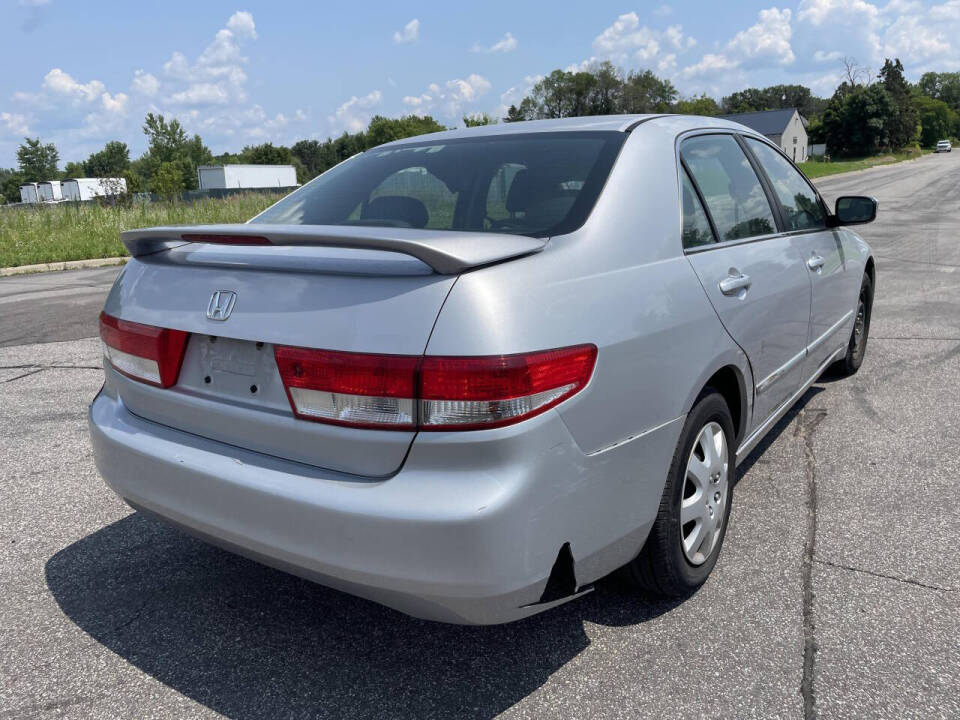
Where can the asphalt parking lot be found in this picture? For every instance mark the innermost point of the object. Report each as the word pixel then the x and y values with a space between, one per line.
pixel 837 593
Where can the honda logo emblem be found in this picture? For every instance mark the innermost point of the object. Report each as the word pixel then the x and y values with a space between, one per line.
pixel 221 304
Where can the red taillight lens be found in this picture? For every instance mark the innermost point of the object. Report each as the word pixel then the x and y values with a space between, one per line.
pixel 477 392
pixel 349 388
pixel 143 352
pixel 430 393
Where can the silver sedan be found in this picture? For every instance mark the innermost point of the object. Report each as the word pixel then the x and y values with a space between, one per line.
pixel 468 374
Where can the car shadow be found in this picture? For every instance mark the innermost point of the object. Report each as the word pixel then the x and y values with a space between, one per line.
pixel 248 641
pixel 771 437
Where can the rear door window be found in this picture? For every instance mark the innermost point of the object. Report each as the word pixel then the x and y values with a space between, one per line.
pixel 729 186
pixel 801 208
pixel 696 226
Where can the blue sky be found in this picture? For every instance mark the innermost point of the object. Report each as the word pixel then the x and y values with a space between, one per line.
pixel 239 73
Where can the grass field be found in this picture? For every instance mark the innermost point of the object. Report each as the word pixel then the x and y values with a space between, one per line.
pixel 39 234
pixel 817 168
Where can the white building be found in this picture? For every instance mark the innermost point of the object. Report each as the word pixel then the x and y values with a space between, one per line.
pixel 49 191
pixel 77 189
pixel 787 128
pixel 218 177
pixel 28 193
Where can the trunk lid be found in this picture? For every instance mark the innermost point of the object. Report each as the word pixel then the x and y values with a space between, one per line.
pixel 354 298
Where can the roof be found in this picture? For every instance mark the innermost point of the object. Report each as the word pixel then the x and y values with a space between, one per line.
pixel 609 123
pixel 620 123
pixel 765 122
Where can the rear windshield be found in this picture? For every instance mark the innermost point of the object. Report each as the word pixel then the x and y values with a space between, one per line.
pixel 536 184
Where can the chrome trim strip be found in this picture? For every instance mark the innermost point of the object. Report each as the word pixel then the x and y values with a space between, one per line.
pixel 757 435
pixel 830 331
pixel 770 379
pixel 773 377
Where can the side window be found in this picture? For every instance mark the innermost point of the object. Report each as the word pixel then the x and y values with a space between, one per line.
pixel 730 187
pixel 696 226
pixel 801 209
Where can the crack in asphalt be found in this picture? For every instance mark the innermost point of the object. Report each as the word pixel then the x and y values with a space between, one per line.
pixel 807 422
pixel 884 576
pixel 20 377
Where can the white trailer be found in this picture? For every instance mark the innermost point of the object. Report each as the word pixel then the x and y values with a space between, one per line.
pixel 216 177
pixel 88 188
pixel 50 191
pixel 28 193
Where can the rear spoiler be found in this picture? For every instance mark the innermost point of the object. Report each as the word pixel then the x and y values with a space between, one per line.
pixel 447 252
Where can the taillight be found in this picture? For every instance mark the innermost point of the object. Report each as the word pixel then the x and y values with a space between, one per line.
pixel 349 388
pixel 217 239
pixel 430 393
pixel 143 352
pixel 463 393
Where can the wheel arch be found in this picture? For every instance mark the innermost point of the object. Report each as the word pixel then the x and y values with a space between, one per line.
pixel 730 382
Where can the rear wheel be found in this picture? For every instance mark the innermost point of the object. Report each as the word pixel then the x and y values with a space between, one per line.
pixel 857 346
pixel 686 537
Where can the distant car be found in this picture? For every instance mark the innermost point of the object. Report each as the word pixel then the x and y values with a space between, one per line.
pixel 944 146
pixel 468 374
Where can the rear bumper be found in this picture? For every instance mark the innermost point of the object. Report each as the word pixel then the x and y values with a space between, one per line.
pixel 466 532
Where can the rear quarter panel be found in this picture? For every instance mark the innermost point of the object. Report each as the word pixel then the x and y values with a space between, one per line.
pixel 620 282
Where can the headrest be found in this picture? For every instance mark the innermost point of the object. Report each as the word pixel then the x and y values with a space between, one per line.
pixel 397 207
pixel 528 189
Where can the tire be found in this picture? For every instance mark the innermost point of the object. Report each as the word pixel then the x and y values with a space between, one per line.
pixel 857 345
pixel 673 562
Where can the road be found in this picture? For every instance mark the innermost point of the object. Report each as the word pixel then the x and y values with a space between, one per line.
pixel 837 593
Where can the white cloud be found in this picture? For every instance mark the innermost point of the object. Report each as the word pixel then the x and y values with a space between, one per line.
pixel 818 12
pixel 114 103
pixel 145 83
pixel 827 56
pixel 353 115
pixel 663 11
pixel 449 99
pixel 768 39
pixel 241 24
pixel 217 77
pixel 410 33
pixel 627 42
pixel 508 43
pixel 61 83
pixel 14 123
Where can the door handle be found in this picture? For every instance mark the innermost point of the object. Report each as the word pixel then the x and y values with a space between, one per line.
pixel 734 284
pixel 815 262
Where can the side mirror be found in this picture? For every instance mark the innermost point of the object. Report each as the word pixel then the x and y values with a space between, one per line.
pixel 855 210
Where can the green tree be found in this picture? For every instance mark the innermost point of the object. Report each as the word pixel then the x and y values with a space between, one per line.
pixel 478 119
pixel 937 120
pixel 703 105
pixel 514 115
pixel 644 92
pixel 266 154
pixel 38 162
pixel 902 123
pixel 855 121
pixel 168 180
pixel 112 161
pixel 383 129
pixel 941 86
pixel 167 142
pixel 74 170
pixel 10 181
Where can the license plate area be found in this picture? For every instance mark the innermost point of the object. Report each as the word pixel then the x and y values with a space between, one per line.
pixel 235 370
